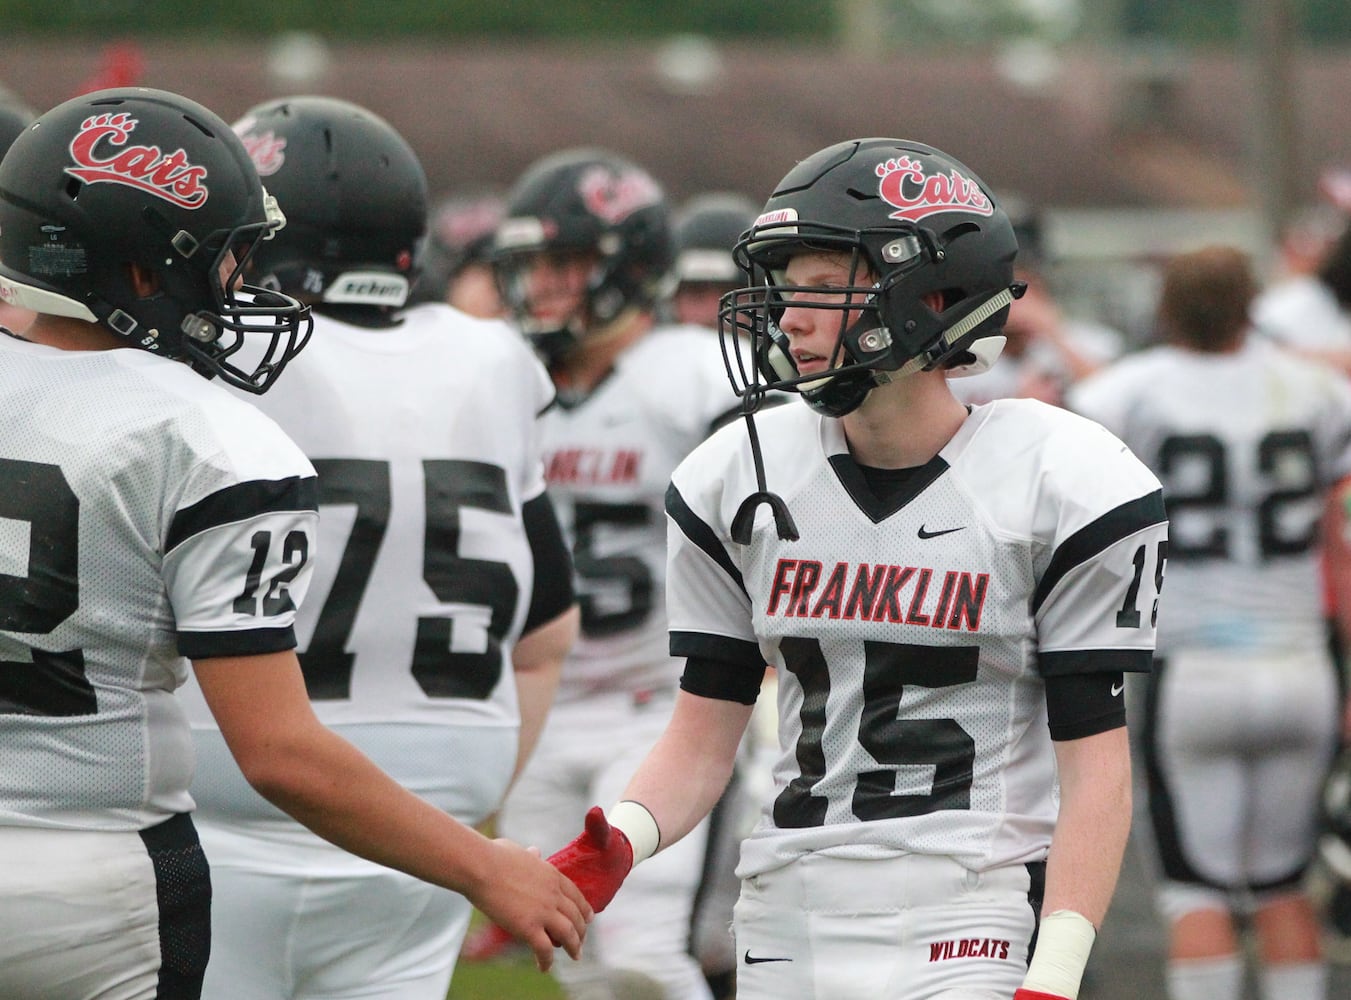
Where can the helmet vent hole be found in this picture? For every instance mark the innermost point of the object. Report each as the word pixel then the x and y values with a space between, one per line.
pixel 73 188
pixel 199 126
pixel 858 195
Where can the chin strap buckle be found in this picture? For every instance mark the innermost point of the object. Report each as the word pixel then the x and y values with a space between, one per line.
pixel 745 515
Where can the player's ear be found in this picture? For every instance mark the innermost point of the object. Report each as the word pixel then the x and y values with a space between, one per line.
pixel 144 281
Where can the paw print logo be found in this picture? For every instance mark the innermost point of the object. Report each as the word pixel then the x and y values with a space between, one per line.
pixel 120 123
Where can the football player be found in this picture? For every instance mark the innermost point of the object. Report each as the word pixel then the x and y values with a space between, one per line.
pixel 583 257
pixel 457 264
pixel 434 637
pixel 1242 712
pixel 147 519
pixel 950 597
pixel 707 227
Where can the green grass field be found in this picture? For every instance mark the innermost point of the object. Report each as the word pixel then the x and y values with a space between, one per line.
pixel 512 977
pixel 515 978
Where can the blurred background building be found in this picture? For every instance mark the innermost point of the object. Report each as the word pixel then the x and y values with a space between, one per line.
pixel 1134 128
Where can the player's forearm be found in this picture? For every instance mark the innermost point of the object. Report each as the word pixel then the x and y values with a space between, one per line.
pixel 1095 816
pixel 326 783
pixel 329 786
pixel 686 771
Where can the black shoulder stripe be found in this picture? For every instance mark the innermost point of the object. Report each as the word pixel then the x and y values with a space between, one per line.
pixel 700 533
pixel 240 502
pixel 1091 539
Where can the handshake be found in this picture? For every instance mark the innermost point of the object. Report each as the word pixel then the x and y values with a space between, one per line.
pixel 601 857
pixel 597 861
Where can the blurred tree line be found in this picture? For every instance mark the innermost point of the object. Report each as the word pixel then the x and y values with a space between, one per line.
pixel 905 22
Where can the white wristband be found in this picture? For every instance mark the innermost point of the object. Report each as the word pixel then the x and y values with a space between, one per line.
pixel 1063 944
pixel 638 825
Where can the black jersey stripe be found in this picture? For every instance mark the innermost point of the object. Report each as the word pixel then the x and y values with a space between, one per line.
pixel 246 642
pixel 1094 661
pixel 704 646
pixel 241 502
pixel 552 592
pixel 1095 538
pixel 700 534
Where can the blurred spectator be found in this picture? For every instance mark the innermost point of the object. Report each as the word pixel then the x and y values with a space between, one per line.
pixel 1045 351
pixel 1311 312
pixel 457 265
pixel 707 227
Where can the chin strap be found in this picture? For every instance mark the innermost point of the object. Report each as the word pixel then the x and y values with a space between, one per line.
pixel 999 300
pixel 745 515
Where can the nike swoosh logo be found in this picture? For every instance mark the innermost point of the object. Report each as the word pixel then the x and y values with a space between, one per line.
pixel 934 534
pixel 752 960
pixel 1118 688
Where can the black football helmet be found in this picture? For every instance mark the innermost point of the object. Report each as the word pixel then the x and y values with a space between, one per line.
pixel 707 227
pixel 139 176
pixel 585 200
pixel 914 221
pixel 355 198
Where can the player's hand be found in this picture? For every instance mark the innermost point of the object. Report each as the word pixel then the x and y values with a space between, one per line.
pixel 532 901
pixel 1023 994
pixel 597 861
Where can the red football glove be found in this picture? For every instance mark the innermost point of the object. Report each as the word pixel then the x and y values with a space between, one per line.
pixel 598 861
pixel 1037 995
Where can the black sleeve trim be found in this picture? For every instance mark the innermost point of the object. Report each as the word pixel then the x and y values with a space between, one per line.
pixel 553 591
pixel 251 642
pixel 241 502
pixel 1079 705
pixel 1097 537
pixel 720 679
pixel 1094 661
pixel 701 645
pixel 700 534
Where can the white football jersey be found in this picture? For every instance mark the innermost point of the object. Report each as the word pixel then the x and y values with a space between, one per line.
pixel 1246 445
pixel 911 638
pixel 145 516
pixel 608 459
pixel 425 437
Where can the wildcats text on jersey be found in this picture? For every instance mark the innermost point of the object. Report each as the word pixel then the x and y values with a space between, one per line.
pixel 878 592
pixel 942 951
